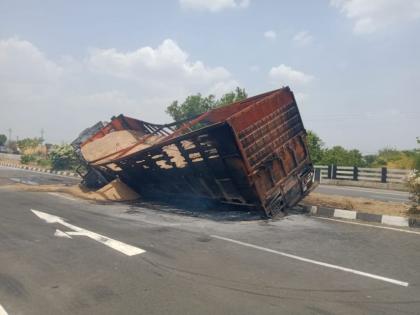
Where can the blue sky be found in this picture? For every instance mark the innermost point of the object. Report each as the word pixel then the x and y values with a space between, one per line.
pixel 354 65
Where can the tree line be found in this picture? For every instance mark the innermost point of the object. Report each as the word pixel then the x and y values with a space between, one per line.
pixel 196 104
pixel 61 157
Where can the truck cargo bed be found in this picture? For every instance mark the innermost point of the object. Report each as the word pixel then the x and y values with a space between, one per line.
pixel 251 153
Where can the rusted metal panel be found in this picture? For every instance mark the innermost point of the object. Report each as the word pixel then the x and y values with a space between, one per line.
pixel 271 137
pixel 251 153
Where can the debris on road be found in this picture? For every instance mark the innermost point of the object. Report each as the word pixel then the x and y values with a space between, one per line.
pixel 114 191
pixel 251 153
pixel 117 191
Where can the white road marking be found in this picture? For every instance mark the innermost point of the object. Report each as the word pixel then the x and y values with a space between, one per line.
pixel 2 311
pixel 316 262
pixel 62 196
pixel 114 244
pixel 370 225
pixel 60 233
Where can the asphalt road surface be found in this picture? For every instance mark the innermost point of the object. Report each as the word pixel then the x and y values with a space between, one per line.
pixel 376 194
pixel 14 175
pixel 61 255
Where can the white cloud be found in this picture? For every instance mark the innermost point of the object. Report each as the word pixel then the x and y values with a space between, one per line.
pixel 69 94
pixel 303 38
pixel 372 15
pixel 272 35
pixel 213 5
pixel 285 75
pixel 20 59
pixel 166 67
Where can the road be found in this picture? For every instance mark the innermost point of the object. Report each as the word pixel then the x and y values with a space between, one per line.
pixel 61 255
pixel 375 194
pixel 10 176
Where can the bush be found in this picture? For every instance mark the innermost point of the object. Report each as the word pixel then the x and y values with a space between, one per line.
pixel 46 163
pixel 27 158
pixel 414 189
pixel 63 157
pixel 414 183
pixel 29 145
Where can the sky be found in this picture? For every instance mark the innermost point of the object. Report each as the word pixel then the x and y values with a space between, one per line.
pixel 354 65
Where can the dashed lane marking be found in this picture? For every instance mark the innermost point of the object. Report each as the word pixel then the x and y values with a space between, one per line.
pixel 315 262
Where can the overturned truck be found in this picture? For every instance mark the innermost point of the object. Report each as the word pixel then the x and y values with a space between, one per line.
pixel 252 153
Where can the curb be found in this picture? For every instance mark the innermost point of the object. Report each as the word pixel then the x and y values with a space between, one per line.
pixel 40 170
pixel 362 216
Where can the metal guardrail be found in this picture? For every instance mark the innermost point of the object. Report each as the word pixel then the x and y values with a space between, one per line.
pixel 354 173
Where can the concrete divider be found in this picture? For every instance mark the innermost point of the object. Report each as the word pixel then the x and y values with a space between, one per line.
pixel 362 216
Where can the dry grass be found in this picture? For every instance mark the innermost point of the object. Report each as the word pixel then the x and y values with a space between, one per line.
pixel 359 204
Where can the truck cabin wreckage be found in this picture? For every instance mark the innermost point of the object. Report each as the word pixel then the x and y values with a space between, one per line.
pixel 251 153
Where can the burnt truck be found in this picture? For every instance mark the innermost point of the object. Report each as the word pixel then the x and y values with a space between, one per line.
pixel 252 153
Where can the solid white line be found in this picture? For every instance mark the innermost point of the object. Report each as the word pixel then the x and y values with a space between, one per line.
pixel 370 225
pixel 2 311
pixel 114 244
pixel 316 262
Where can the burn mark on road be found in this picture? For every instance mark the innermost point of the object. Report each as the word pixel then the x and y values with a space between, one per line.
pixel 11 286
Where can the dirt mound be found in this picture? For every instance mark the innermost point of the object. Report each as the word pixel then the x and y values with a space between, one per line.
pixel 114 191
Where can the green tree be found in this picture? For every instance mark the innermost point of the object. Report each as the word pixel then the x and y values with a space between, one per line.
pixel 198 104
pixel 393 158
pixel 28 143
pixel 316 146
pixel 237 95
pixel 370 159
pixel 192 106
pixel 3 139
pixel 63 157
pixel 340 156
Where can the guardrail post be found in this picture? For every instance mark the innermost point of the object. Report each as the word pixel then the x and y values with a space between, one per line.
pixel 329 171
pixel 334 172
pixel 318 175
pixel 355 173
pixel 384 174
